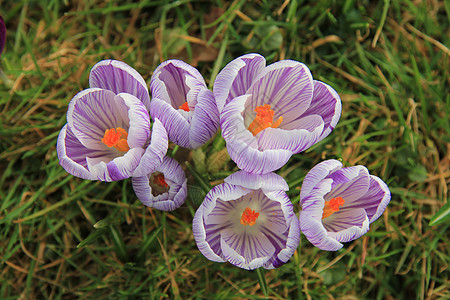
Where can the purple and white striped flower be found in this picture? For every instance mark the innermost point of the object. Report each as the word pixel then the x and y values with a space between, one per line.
pixel 183 103
pixel 248 221
pixel 107 135
pixel 165 188
pixel 268 113
pixel 338 204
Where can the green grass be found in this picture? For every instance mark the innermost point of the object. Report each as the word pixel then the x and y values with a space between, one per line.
pixel 65 238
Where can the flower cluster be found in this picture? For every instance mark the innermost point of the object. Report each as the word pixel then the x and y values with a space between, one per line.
pixel 266 114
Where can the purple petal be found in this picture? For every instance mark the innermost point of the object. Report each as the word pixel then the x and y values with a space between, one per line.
pixel 72 154
pixel 139 127
pixel 119 77
pixel 176 125
pixel 316 233
pixel 287 86
pixel 246 251
pixel 327 104
pixel 347 224
pixel 269 181
pixel 295 141
pixel 292 241
pixel 91 112
pixel 237 76
pixel 254 161
pixel 206 248
pixel 205 120
pixel 316 174
pixel 313 204
pixel 2 35
pixel 376 199
pixel 351 187
pixel 176 82
pixel 155 151
pixel 119 168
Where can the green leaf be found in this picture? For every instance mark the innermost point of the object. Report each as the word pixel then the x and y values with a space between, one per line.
pixel 334 274
pixel 147 243
pixel 118 243
pixel 204 184
pixel 262 281
pixel 94 235
pixel 106 222
pixel 418 174
pixel 441 216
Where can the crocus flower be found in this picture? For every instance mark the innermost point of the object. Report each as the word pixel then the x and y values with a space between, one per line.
pixel 165 188
pixel 268 113
pixel 183 103
pixel 107 135
pixel 338 204
pixel 248 221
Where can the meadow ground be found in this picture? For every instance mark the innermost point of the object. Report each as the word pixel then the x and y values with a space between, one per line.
pixel 388 60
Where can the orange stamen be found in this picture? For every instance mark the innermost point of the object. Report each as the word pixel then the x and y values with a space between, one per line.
pixel 249 217
pixel 263 119
pixel 332 206
pixel 159 180
pixel 117 138
pixel 185 106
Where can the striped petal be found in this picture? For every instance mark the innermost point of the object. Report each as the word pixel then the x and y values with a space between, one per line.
pixel 155 151
pixel 119 77
pixel 376 199
pixel 317 174
pixel 236 77
pixel 268 181
pixel 325 105
pixel 247 251
pixel 117 169
pixel 139 121
pixel 176 125
pixel 72 154
pixel 317 234
pixel 205 119
pixel 347 224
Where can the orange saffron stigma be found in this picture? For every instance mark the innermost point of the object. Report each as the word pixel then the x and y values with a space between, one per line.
pixel 249 217
pixel 263 119
pixel 332 206
pixel 159 180
pixel 117 138
pixel 185 106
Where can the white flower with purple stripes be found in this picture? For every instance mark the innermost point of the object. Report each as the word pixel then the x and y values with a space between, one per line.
pixel 107 135
pixel 183 103
pixel 338 204
pixel 165 188
pixel 248 221
pixel 269 113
